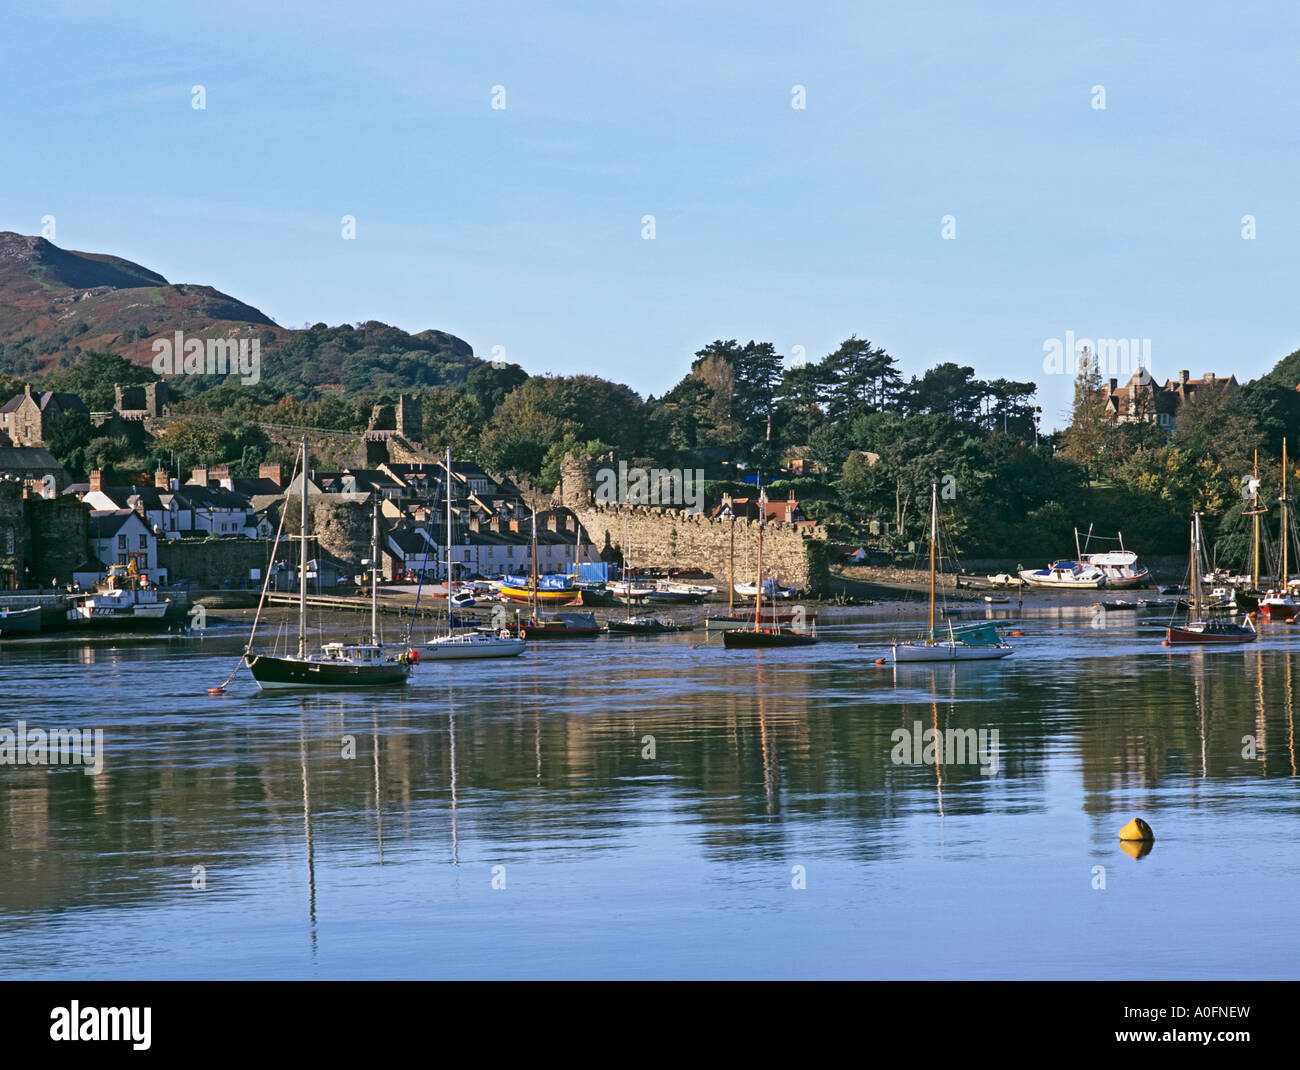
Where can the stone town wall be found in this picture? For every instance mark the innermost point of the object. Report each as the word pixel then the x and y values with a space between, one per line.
pixel 211 562
pixel 60 537
pixel 663 537
pixel 14 539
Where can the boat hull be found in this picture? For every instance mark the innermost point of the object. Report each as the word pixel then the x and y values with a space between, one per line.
pixel 1279 610
pixel 490 648
pixel 768 619
pixel 523 594
pixel 13 621
pixel 766 637
pixel 271 672
pixel 1209 633
pixel 907 653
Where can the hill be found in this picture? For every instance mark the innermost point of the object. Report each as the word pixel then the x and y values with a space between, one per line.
pixel 56 304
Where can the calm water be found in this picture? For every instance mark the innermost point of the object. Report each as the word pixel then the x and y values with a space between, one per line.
pixel 680 865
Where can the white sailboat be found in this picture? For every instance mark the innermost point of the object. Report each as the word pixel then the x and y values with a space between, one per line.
pixel 452 647
pixel 971 642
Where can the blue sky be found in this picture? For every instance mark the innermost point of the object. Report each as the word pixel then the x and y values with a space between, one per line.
pixel 521 227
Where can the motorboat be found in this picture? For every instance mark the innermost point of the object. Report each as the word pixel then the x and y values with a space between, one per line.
pixel 472 645
pixel 1065 575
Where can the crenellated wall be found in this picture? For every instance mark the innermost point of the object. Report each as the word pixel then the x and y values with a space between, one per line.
pixel 663 537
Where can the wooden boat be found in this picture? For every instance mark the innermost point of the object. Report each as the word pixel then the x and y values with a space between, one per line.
pixel 1202 629
pixel 334 664
pixel 971 642
pixel 1065 575
pixel 770 617
pixel 547 596
pixel 25 619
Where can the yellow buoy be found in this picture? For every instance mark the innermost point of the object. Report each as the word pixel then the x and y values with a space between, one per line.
pixel 1137 829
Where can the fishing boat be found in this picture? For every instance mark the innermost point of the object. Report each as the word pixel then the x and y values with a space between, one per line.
pixel 1200 627
pixel 970 642
pixel 125 600
pixel 1065 575
pixel 453 647
pixel 758 636
pixel 333 664
pixel 1120 567
pixel 24 620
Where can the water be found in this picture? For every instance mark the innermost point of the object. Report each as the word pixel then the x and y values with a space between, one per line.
pixel 678 865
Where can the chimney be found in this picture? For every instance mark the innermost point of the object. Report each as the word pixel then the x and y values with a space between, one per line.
pixel 222 475
pixel 1113 384
pixel 495 524
pixel 1184 375
pixel 1209 377
pixel 473 523
pixel 514 525
pixel 96 480
pixel 160 480
pixel 200 476
pixel 266 470
pixel 552 523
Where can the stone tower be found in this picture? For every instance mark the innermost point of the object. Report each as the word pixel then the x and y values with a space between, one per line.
pixel 410 417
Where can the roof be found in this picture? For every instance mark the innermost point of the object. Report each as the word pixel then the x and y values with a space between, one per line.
pixel 27 457
pixel 105 523
pixel 65 401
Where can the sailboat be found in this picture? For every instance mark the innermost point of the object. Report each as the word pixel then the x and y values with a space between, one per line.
pixel 1282 605
pixel 1249 599
pixel 1202 629
pixel 971 642
pixel 452 647
pixel 558 625
pixel 760 635
pixel 334 664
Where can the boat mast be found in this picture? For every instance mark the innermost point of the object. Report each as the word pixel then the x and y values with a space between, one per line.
pixel 1254 517
pixel 1196 565
pixel 534 566
pixel 934 534
pixel 758 592
pixel 374 574
pixel 449 493
pixel 731 571
pixel 1285 563
pixel 302 562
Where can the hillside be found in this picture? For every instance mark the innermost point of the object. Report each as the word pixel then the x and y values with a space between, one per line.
pixel 56 304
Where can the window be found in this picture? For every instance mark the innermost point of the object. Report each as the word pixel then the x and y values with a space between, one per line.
pixel 144 542
pixel 466 557
pixel 121 542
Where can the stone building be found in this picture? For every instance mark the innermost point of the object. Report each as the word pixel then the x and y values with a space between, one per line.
pixel 1143 400
pixel 28 419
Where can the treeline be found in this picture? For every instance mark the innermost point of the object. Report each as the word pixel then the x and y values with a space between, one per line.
pixel 869 439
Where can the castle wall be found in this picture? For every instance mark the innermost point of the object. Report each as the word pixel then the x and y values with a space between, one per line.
pixel 663 537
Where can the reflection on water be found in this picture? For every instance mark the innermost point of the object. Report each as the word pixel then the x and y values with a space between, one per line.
pixel 637 807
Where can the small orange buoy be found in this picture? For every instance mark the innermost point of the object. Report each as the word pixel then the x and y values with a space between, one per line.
pixel 1017 633
pixel 1137 829
pixel 880 661
pixel 216 691
pixel 1164 642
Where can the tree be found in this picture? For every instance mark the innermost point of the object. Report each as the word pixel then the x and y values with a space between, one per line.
pixel 859 374
pixel 1088 438
pixel 93 377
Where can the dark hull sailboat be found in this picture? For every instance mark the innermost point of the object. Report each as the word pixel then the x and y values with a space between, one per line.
pixel 358 664
pixel 749 639
pixel 321 672
pixel 1204 629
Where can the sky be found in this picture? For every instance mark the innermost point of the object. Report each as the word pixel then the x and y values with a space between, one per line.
pixel 522 228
